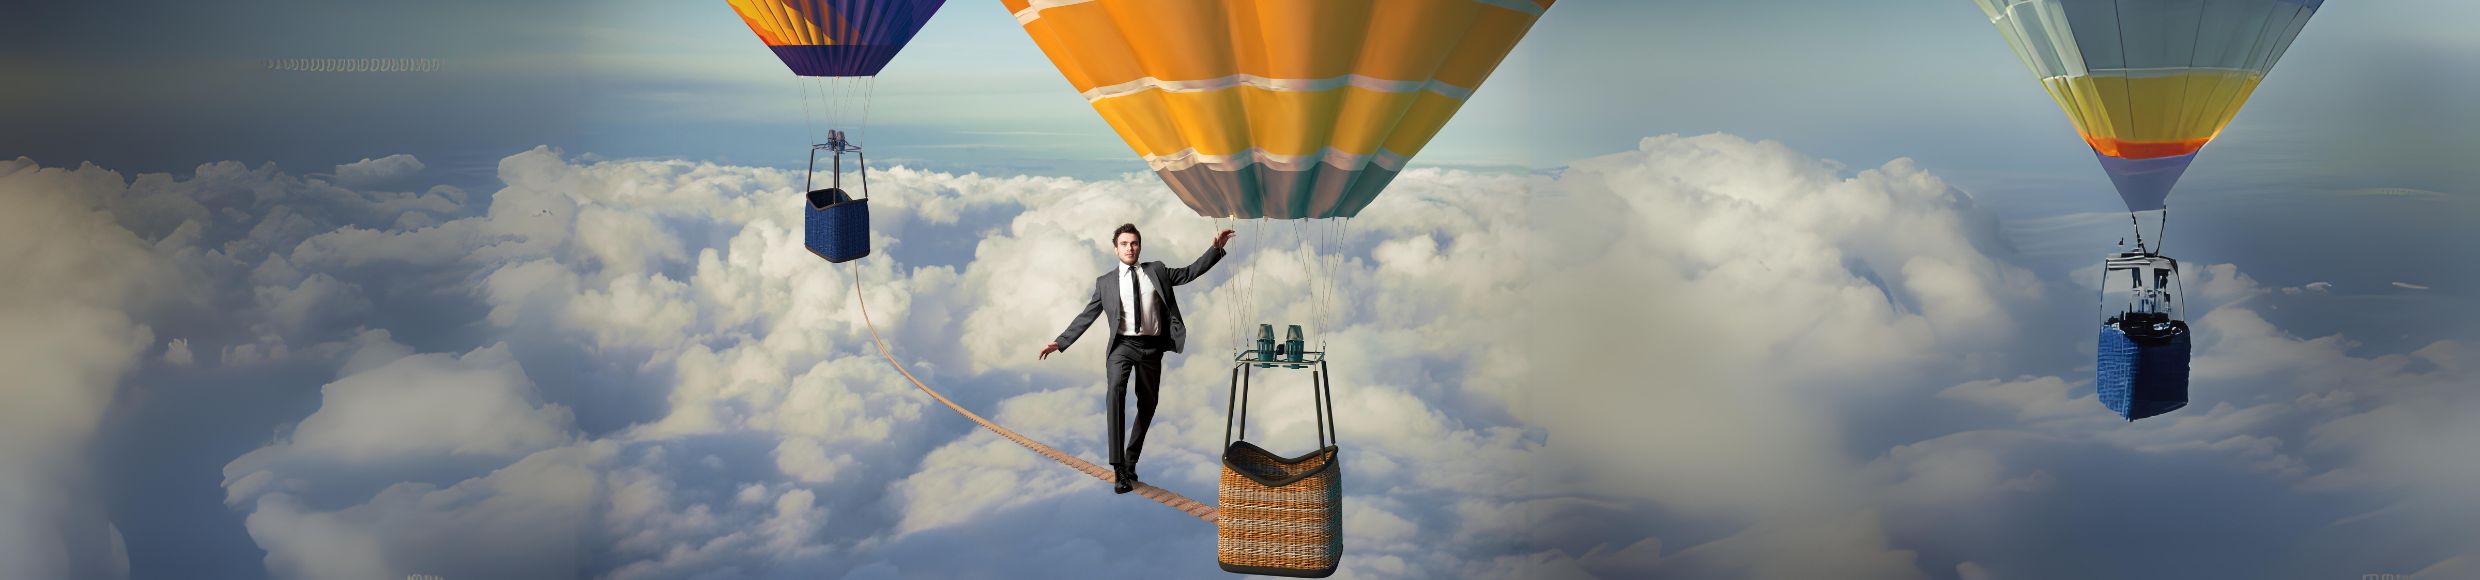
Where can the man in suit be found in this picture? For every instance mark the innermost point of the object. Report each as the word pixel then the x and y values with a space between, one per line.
pixel 1145 323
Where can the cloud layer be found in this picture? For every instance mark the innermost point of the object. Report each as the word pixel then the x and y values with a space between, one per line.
pixel 1684 360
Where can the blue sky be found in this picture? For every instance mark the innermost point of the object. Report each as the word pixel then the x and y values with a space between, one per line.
pixel 1850 239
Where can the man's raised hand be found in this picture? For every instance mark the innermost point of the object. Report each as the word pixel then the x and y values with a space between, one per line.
pixel 1221 238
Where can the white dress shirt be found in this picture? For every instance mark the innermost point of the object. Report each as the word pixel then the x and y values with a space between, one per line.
pixel 1138 313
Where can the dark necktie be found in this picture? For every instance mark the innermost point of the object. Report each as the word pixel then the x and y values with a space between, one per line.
pixel 1136 303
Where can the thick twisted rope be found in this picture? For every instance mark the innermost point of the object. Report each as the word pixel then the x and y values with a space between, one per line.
pixel 1166 497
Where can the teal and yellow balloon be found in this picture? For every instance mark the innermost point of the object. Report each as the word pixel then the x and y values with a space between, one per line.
pixel 2149 82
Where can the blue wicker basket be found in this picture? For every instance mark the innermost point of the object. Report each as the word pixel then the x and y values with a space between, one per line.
pixel 837 227
pixel 2143 374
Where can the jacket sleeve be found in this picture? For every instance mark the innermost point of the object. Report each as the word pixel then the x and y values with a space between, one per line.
pixel 1076 327
pixel 1178 276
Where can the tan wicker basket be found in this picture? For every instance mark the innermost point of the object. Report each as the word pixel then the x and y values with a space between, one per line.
pixel 1280 516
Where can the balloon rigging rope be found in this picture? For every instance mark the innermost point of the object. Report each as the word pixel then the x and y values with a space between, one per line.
pixel 1230 300
pixel 1257 228
pixel 1334 278
pixel 1191 507
pixel 1332 258
pixel 2162 237
pixel 808 121
pixel 869 96
pixel 1326 279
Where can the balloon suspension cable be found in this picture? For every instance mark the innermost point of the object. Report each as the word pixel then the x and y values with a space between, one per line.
pixel 1247 280
pixel 1335 260
pixel 2159 237
pixel 2162 238
pixel 869 96
pixel 2139 228
pixel 1313 235
pixel 836 95
pixel 808 121
pixel 1233 293
pixel 1322 240
pixel 1257 231
pixel 1229 340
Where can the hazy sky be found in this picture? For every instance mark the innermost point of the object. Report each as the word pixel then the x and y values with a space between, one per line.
pixel 1861 83
pixel 1858 274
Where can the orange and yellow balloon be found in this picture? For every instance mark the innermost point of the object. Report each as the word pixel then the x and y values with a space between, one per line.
pixel 1284 109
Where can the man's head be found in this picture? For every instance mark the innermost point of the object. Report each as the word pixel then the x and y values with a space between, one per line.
pixel 1126 243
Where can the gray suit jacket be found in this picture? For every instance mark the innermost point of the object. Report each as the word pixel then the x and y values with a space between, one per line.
pixel 1106 299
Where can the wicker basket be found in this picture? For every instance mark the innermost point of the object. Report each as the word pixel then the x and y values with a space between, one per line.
pixel 836 226
pixel 1280 516
pixel 2144 373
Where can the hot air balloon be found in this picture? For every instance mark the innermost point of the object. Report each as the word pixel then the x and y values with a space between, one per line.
pixel 1293 110
pixel 1281 109
pixel 2147 83
pixel 837 46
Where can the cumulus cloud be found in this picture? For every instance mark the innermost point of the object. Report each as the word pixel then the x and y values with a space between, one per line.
pixel 70 329
pixel 369 172
pixel 177 353
pixel 476 404
pixel 396 409
pixel 526 520
pixel 1712 289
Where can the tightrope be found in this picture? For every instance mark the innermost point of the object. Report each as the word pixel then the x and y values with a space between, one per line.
pixel 1164 496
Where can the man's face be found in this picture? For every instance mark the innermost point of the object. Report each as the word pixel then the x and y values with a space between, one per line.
pixel 1127 246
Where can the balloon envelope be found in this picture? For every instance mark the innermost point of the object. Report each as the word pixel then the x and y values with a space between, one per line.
pixel 835 38
pixel 1276 108
pixel 2149 82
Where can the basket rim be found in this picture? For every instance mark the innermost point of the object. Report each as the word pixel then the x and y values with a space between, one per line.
pixel 1328 570
pixel 1241 446
pixel 848 199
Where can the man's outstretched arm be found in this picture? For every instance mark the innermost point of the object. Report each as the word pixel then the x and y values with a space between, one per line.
pixel 1076 327
pixel 1178 276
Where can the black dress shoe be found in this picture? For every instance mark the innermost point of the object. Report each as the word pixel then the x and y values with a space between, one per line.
pixel 1123 479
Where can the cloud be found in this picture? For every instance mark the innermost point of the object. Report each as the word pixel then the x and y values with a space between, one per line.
pixel 2310 288
pixel 399 413
pixel 2409 286
pixel 431 405
pixel 368 172
pixel 1747 287
pixel 70 330
pixel 526 520
pixel 2032 398
pixel 177 353
pixel 1846 546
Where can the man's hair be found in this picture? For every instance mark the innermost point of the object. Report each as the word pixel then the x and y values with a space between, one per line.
pixel 1126 229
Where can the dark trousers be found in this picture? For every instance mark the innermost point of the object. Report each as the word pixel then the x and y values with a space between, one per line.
pixel 1138 358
